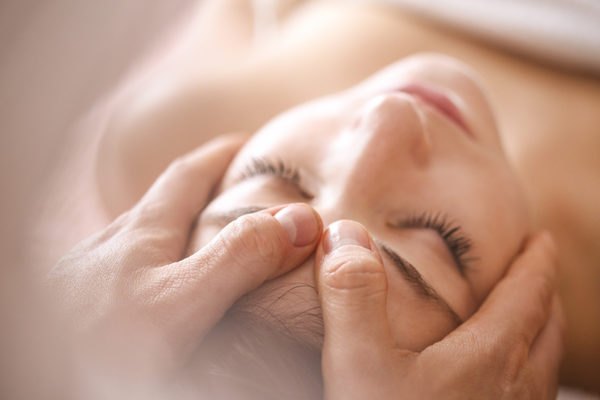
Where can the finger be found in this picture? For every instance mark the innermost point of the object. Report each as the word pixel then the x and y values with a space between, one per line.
pixel 352 286
pixel 519 306
pixel 548 349
pixel 179 194
pixel 247 252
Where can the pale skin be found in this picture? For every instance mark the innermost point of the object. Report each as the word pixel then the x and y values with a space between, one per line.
pixel 159 304
pixel 372 154
pixel 309 66
pixel 137 305
pixel 383 156
pixel 353 291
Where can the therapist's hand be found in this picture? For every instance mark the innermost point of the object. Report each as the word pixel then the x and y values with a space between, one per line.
pixel 509 349
pixel 142 305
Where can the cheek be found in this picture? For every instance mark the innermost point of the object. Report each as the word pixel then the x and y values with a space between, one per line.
pixel 500 231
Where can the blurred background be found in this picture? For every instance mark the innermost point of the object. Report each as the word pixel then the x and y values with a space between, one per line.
pixel 61 62
pixel 59 59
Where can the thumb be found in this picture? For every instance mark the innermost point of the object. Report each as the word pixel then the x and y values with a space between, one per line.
pixel 247 252
pixel 352 287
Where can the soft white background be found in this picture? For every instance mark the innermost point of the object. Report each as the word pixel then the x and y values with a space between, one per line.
pixel 58 59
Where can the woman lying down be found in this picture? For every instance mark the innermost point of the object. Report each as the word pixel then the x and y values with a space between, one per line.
pixel 412 154
pixel 423 218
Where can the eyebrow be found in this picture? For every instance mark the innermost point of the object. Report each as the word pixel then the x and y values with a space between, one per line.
pixel 414 277
pixel 406 269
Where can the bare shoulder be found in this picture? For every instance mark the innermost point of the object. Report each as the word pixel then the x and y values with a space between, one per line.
pixel 560 163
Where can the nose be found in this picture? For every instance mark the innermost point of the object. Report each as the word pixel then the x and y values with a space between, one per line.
pixel 392 128
pixel 387 140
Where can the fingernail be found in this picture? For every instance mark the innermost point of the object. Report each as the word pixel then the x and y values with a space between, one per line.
pixel 300 222
pixel 343 233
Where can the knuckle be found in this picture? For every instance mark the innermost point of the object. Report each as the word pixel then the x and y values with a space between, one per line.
pixel 255 238
pixel 476 341
pixel 180 164
pixel 161 283
pixel 149 242
pixel 142 215
pixel 355 273
pixel 120 222
pixel 482 346
pixel 180 168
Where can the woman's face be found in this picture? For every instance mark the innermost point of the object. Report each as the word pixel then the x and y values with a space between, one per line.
pixel 414 155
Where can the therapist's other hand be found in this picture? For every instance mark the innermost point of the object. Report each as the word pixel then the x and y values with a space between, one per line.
pixel 130 289
pixel 509 349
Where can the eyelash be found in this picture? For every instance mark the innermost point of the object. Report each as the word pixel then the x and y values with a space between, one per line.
pixel 458 244
pixel 260 166
pixel 280 169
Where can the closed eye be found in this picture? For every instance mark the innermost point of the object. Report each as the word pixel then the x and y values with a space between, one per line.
pixel 456 240
pixel 262 166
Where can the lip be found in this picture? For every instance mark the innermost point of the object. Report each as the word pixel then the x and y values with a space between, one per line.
pixel 439 101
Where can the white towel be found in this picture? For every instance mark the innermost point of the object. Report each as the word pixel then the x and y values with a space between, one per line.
pixel 564 32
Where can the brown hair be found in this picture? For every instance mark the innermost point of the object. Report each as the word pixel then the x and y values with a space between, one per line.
pixel 246 357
